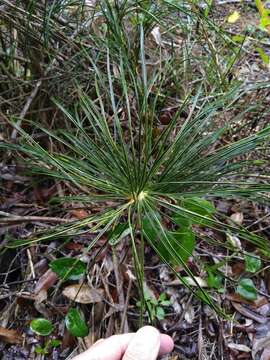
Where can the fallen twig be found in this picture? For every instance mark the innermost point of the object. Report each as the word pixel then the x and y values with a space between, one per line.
pixel 25 109
pixel 7 218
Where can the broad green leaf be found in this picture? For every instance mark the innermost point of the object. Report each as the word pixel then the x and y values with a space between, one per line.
pixel 40 350
pixel 55 342
pixel 252 263
pixel 265 22
pixel 199 206
pixel 151 232
pixel 213 280
pixel 209 4
pixel 182 220
pixel 165 303
pixel 118 233
pixel 260 6
pixel 150 229
pixel 154 301
pixel 263 55
pixel 68 268
pixel 160 313
pixel 183 244
pixel 247 289
pixel 146 294
pixel 75 324
pixel 162 297
pixel 41 326
pixel 183 241
pixel 238 38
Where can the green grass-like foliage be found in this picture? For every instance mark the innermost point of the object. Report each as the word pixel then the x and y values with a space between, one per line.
pixel 114 150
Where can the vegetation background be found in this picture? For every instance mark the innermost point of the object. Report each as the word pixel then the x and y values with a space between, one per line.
pixel 134 149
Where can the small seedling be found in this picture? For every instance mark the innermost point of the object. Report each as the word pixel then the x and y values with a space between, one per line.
pixel 44 327
pixel 154 307
pixel 214 276
pixel 50 344
pixel 75 324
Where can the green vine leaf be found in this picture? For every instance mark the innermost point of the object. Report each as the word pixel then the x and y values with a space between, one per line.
pixel 75 324
pixel 247 289
pixel 41 326
pixel 68 268
pixel 252 263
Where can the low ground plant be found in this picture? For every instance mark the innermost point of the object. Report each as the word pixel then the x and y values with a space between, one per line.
pixel 144 139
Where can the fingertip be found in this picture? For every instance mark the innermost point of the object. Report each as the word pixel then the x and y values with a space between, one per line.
pixel 149 330
pixel 144 345
pixel 166 344
pixel 166 341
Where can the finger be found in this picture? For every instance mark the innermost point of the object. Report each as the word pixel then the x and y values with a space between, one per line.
pixel 115 346
pixel 97 342
pixel 144 345
pixel 166 344
pixel 112 348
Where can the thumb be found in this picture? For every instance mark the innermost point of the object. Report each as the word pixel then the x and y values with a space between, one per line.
pixel 144 345
pixel 115 346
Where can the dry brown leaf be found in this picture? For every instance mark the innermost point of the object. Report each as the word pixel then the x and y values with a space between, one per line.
pixel 266 354
pixel 237 268
pixel 79 213
pixel 91 339
pixel 246 326
pixel 41 296
pixel 10 336
pixel 189 314
pixel 175 299
pixel 149 291
pixel 40 267
pixel 260 302
pixel 260 344
pixel 201 282
pixel 83 294
pixel 156 35
pixel 237 298
pixel 90 3
pixel 239 347
pixel 234 240
pixel 68 341
pixel 237 218
pixel 73 246
pixel 46 281
pixel 244 310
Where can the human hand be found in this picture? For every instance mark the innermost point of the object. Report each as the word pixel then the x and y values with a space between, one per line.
pixel 146 344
